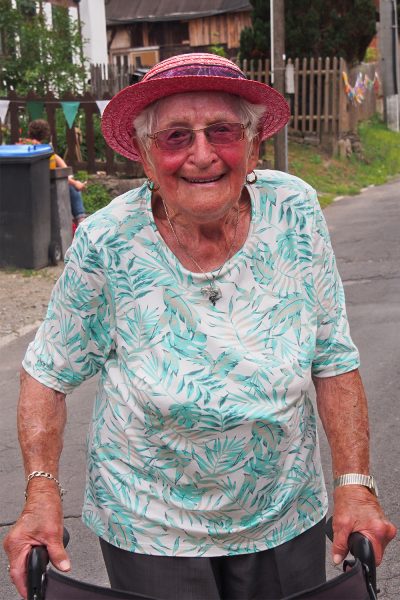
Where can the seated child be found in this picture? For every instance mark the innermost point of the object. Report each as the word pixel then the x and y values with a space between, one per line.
pixel 39 133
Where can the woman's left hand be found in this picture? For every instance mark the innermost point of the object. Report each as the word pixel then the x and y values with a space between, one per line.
pixel 357 509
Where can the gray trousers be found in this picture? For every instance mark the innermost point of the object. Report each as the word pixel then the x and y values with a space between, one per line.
pixel 267 575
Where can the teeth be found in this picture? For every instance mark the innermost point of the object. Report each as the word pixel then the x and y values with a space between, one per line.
pixel 203 180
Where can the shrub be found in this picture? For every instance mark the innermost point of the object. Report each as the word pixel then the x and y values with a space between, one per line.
pixel 218 50
pixel 95 195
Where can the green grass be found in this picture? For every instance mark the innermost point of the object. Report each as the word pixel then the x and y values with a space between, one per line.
pixel 332 176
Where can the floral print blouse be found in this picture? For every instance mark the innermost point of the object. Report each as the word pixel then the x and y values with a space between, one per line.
pixel 203 438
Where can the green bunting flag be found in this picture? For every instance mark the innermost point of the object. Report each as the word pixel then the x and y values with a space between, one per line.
pixel 35 109
pixel 70 109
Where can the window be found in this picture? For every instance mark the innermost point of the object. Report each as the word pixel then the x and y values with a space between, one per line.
pixel 136 35
pixel 171 33
pixel 121 60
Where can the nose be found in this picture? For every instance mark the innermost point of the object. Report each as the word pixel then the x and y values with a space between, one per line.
pixel 202 152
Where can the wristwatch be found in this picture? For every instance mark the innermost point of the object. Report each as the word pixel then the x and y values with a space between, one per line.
pixel 356 479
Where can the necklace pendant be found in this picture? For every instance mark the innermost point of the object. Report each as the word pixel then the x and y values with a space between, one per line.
pixel 212 292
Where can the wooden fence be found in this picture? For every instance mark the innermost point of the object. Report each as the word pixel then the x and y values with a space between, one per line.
pixel 313 91
pixel 109 79
pixel 316 93
pixel 319 105
pixel 108 162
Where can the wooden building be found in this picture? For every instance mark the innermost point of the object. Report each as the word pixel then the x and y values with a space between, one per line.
pixel 143 32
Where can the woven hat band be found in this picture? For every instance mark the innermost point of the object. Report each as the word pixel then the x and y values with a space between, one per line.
pixel 205 70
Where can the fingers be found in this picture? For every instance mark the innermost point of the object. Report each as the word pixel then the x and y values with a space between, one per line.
pixel 356 509
pixel 340 542
pixel 40 524
pixel 18 564
pixel 18 571
pixel 59 557
pixel 379 533
pixel 18 552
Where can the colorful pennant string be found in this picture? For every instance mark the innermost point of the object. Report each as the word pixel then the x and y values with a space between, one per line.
pixel 35 108
pixel 362 85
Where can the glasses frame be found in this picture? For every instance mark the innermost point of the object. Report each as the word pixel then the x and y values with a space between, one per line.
pixel 154 136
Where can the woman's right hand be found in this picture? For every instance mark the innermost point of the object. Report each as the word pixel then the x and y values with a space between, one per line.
pixel 40 524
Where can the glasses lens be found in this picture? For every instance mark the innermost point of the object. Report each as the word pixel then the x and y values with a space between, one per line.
pixel 174 138
pixel 224 133
pixel 178 138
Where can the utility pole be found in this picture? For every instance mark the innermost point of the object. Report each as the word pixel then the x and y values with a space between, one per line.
pixel 389 59
pixel 277 16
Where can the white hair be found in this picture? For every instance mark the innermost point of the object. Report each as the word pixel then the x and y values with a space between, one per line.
pixel 146 122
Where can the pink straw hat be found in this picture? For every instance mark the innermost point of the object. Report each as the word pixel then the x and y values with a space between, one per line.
pixel 188 73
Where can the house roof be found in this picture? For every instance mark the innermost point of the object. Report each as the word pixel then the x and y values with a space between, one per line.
pixel 123 11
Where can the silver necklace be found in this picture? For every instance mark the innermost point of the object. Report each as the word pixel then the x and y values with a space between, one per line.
pixel 211 291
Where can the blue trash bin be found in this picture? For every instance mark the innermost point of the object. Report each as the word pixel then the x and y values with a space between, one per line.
pixel 25 214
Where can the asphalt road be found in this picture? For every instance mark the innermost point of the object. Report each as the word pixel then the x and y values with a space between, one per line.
pixel 365 236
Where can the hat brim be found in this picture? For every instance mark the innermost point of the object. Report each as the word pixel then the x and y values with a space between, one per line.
pixel 121 111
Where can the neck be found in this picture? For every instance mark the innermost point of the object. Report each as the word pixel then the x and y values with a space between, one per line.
pixel 205 245
pixel 198 229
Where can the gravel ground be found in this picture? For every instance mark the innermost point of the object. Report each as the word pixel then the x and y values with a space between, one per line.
pixel 24 296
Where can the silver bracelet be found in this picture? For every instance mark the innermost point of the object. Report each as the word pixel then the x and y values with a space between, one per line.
pixel 47 476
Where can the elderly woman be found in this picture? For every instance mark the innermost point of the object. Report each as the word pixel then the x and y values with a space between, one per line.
pixel 207 299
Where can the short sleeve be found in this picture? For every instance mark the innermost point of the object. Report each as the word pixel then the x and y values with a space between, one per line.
pixel 335 352
pixel 76 337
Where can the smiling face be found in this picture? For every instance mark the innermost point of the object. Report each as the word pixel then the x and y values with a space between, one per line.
pixel 203 181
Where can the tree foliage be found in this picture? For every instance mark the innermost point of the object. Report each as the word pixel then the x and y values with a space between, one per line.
pixel 35 57
pixel 342 28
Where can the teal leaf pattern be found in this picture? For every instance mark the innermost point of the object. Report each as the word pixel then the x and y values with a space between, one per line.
pixel 203 438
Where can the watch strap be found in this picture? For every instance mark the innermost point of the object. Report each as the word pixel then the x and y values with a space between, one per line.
pixel 356 479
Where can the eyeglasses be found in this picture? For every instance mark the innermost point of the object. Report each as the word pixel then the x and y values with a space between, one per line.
pixel 178 138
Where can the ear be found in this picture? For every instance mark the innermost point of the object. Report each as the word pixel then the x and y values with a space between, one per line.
pixel 254 153
pixel 147 165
